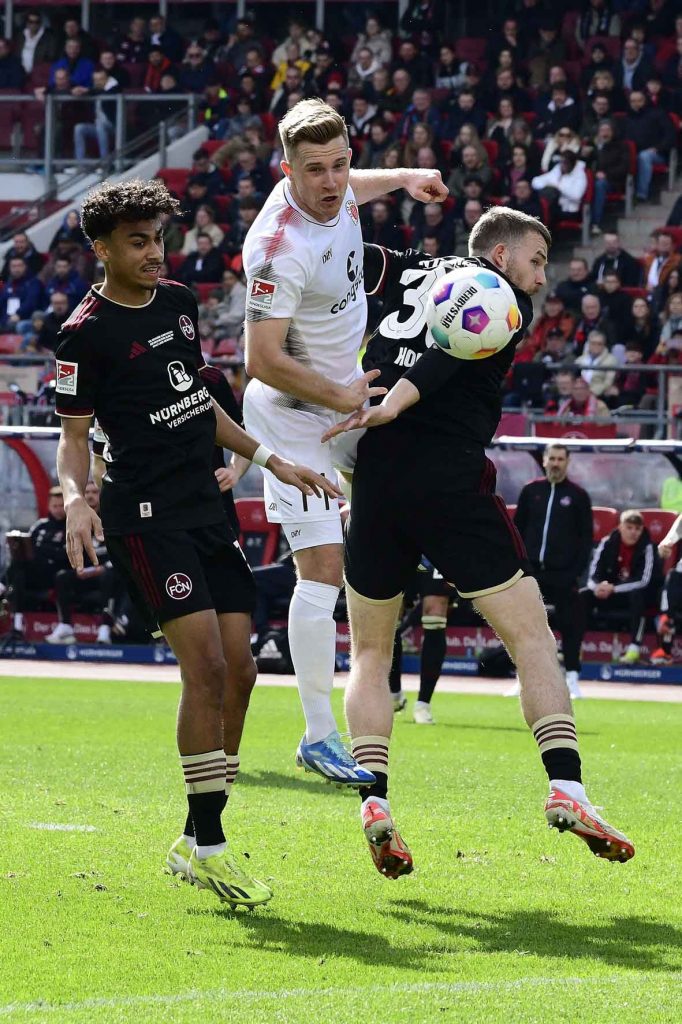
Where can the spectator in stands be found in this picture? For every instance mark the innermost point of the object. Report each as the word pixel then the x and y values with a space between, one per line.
pixel 196 195
pixel 653 134
pixel 592 319
pixel 616 306
pixel 554 317
pixel 499 128
pixel 22 295
pixel 626 575
pixel 672 70
pixel 22 246
pixel 671 317
pixel 248 166
pixel 421 135
pixel 634 69
pixel 241 40
pixel 103 129
pixel 598 365
pixel 31 576
pixel 630 385
pixel 582 402
pixel 565 139
pixel 393 157
pixel 36 43
pixel 576 285
pixel 196 71
pixel 297 34
pixel 203 265
pixel 611 164
pixel 614 257
pixel 656 95
pixel 67 280
pixel 471 189
pixel 597 110
pixel 517 168
pixel 80 68
pixel 382 229
pixel 72 29
pixel 420 111
pixel 672 284
pixel 660 261
pixel 257 66
pixel 416 63
pixel 560 111
pixel 546 50
pixel 134 46
pixel 466 110
pixel 231 308
pixel 604 84
pixel 524 199
pixel 107 60
pixel 564 186
pixel 508 39
pixel 56 315
pixel 204 223
pixel 450 72
pixel 376 145
pixel 211 39
pixel 473 211
pixel 556 349
pixel 473 165
pixel 554 518
pixel 643 330
pixel 376 39
pixel 293 83
pixel 12 74
pixel 559 391
pixel 597 20
pixel 69 235
pixel 247 211
pixel 158 65
pixel 506 87
pixel 166 38
pixel 362 70
pixel 599 60
pixel 362 114
pixel 323 72
pixel 432 220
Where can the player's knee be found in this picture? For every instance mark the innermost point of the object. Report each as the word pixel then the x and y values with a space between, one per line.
pixel 208 679
pixel 241 676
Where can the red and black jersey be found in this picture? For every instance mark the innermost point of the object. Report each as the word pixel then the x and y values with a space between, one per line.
pixel 136 368
pixel 459 398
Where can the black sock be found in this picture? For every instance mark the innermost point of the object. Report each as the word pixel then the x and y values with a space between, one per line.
pixel 562 763
pixel 205 810
pixel 188 830
pixel 433 654
pixel 556 737
pixel 395 675
pixel 378 788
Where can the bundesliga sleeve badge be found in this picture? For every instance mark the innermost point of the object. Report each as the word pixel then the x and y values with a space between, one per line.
pixel 67 378
pixel 261 295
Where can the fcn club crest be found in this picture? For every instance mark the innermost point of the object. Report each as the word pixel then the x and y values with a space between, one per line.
pixel 352 208
pixel 187 327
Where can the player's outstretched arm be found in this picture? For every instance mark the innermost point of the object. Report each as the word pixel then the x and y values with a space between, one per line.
pixel 424 185
pixel 230 435
pixel 402 395
pixel 73 466
pixel 267 361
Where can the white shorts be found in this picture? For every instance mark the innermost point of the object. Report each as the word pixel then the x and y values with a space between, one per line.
pixel 295 434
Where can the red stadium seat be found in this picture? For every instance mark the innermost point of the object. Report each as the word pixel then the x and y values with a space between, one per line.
pixel 471 48
pixel 259 538
pixel 226 347
pixel 270 125
pixel 174 178
pixel 203 289
pixel 174 261
pixel 9 343
pixel 658 521
pixel 675 234
pixel 604 519
pixel 222 205
pixel 492 149
pixel 635 293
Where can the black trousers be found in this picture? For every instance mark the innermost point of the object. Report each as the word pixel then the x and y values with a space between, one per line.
pixel 569 616
pixel 29 582
pixel 633 605
pixel 102 593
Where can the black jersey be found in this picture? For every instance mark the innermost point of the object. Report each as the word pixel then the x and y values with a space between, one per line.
pixel 137 369
pixel 460 398
pixel 220 390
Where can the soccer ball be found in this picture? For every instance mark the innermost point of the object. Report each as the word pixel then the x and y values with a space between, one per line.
pixel 472 313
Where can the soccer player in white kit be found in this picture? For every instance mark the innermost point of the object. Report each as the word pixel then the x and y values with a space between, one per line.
pixel 306 315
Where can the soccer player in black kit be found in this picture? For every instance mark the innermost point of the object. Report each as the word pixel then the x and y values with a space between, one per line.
pixel 436 419
pixel 130 355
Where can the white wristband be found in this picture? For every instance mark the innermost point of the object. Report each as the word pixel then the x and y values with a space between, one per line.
pixel 261 455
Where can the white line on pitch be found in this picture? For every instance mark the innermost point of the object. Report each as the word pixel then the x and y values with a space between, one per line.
pixel 250 995
pixel 50 826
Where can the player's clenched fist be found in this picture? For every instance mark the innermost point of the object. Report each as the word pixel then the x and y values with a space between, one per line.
pixel 426 186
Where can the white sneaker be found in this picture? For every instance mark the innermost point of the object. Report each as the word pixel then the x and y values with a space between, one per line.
pixel 422 713
pixel 104 634
pixel 399 702
pixel 515 689
pixel 62 634
pixel 573 685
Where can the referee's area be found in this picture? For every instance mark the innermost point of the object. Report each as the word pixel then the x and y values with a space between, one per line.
pixel 29 669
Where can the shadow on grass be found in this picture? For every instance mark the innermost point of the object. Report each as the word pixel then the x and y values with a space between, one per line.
pixel 297 780
pixel 619 940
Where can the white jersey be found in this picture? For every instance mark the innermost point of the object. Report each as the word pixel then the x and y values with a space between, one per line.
pixel 311 273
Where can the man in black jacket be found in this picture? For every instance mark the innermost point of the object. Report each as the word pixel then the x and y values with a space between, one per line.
pixel 653 133
pixel 554 518
pixel 626 574
pixel 614 257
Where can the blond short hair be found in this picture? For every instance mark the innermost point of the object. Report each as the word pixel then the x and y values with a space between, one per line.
pixel 310 121
pixel 499 225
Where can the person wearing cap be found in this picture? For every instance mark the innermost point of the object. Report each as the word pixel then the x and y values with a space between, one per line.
pixel 625 575
pixel 556 349
pixel 554 317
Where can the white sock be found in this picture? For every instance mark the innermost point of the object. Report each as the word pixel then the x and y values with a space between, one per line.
pixel 190 840
pixel 422 704
pixel 18 620
pixel 576 790
pixel 210 851
pixel 312 642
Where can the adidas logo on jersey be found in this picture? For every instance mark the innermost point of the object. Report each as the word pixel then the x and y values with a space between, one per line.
pixel 136 350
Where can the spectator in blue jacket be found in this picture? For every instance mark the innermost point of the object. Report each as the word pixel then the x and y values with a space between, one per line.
pixel 12 74
pixel 80 68
pixel 196 72
pixel 20 298
pixel 66 279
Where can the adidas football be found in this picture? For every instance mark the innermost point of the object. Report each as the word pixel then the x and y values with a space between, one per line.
pixel 472 313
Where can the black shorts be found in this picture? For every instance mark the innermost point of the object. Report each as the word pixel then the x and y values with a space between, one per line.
pixel 178 572
pixel 431 583
pixel 671 601
pixel 411 500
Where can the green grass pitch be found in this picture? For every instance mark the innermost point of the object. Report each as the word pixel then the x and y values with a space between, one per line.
pixel 503 920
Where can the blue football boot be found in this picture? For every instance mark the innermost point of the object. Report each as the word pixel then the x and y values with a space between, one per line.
pixel 330 759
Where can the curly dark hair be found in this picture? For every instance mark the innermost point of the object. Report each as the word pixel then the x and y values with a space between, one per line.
pixel 107 205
